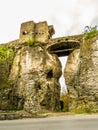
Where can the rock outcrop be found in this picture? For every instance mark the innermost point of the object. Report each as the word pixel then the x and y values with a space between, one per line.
pixel 71 77
pixel 30 70
pixel 29 78
pixel 32 80
pixel 88 75
pixel 36 74
pixel 81 75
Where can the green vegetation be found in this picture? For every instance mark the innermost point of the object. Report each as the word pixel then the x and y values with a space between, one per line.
pixel 5 83
pixel 90 33
pixel 43 112
pixel 6 53
pixel 6 60
pixel 12 107
pixel 87 108
pixel 31 42
pixel 82 110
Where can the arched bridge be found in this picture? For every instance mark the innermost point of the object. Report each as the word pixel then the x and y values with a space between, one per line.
pixel 65 45
pixel 42 33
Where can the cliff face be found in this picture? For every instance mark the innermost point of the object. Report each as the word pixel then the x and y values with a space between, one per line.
pixel 34 80
pixel 6 59
pixel 88 74
pixel 30 70
pixel 71 77
pixel 82 79
pixel 29 74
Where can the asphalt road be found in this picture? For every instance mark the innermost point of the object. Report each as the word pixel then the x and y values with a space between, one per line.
pixel 84 122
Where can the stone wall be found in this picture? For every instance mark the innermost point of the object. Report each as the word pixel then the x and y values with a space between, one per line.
pixel 39 32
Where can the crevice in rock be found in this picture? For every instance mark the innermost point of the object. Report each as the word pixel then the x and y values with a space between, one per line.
pixel 63 61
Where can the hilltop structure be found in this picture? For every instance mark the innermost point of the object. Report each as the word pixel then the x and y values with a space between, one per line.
pixel 30 70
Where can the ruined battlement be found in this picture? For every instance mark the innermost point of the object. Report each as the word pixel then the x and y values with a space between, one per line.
pixel 42 32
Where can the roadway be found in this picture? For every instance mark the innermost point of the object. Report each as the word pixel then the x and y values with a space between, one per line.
pixel 68 122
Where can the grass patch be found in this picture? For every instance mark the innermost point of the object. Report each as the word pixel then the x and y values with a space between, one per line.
pixel 91 34
pixel 43 112
pixel 31 42
pixel 82 110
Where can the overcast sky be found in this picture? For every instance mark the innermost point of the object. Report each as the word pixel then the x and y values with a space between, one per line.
pixel 69 17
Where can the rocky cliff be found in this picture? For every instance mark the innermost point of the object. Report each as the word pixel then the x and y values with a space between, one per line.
pixel 30 70
pixel 29 75
pixel 31 80
pixel 81 75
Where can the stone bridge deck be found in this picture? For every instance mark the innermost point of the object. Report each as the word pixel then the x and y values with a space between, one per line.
pixel 63 46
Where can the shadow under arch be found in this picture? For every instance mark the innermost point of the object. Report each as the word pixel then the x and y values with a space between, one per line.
pixel 63 49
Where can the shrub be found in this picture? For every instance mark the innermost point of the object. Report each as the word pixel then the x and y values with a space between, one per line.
pixel 31 42
pixel 6 53
pixel 82 110
pixel 90 33
pixel 6 60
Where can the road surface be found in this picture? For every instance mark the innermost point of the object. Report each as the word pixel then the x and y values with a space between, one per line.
pixel 68 122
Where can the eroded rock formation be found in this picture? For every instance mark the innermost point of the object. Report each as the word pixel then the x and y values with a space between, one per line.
pixel 32 77
pixel 36 74
pixel 30 70
pixel 88 75
pixel 81 75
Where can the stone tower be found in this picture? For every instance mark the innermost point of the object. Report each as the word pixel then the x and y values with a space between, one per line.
pixel 39 32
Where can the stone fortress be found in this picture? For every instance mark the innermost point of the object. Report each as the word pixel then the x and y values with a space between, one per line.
pixel 30 70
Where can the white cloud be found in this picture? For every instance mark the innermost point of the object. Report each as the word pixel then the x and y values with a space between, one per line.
pixel 68 17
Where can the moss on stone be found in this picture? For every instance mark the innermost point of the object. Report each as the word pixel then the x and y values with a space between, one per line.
pixel 5 83
pixel 31 42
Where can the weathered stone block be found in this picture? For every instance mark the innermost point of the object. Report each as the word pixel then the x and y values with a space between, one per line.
pixel 27 31
pixel 42 33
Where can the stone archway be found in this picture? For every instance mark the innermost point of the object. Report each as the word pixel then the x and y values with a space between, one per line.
pixel 72 50
pixel 64 48
pixel 68 48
